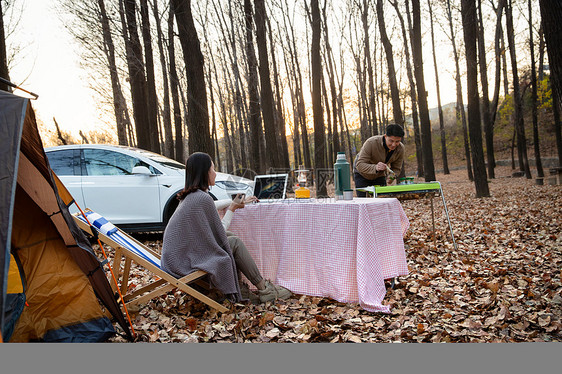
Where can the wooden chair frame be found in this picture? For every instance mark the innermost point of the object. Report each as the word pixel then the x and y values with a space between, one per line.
pixel 166 283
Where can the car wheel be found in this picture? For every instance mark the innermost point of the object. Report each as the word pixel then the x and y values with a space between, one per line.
pixel 170 208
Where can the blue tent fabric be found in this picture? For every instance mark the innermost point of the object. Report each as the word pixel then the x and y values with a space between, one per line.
pixel 12 115
pixel 98 330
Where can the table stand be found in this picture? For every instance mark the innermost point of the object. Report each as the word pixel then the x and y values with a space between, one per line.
pixel 430 189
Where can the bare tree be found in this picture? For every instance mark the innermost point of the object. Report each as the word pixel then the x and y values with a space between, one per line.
pixel 255 111
pixel 319 129
pixel 294 69
pixel 152 99
pixel 197 112
pixel 498 54
pixel 551 13
pixel 273 151
pixel 488 129
pixel 371 110
pixel 331 78
pixel 3 56
pixel 119 103
pixel 468 11
pixel 168 148
pixel 439 108
pixel 136 73
pixel 429 169
pixel 413 96
pixel 174 81
pixel 517 96
pixel 538 161
pixel 395 94
pixel 279 117
pixel 461 116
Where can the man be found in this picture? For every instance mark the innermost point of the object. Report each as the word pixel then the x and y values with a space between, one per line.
pixel 376 153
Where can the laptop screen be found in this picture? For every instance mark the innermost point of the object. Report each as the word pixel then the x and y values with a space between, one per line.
pixel 272 186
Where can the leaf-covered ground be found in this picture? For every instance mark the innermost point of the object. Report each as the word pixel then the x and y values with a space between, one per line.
pixel 501 284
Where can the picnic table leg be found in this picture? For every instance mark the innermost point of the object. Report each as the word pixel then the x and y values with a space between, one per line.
pixel 433 221
pixel 448 220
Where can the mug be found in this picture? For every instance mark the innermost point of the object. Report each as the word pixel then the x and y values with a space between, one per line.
pixel 348 194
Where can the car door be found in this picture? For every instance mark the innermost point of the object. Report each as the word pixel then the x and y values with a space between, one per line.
pixel 110 188
pixel 65 163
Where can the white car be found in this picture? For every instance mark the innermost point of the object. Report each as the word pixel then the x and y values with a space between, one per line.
pixel 133 188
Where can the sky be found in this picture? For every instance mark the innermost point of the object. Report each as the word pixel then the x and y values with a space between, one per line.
pixel 49 66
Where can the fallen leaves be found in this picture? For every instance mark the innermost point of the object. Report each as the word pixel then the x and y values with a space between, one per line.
pixel 502 283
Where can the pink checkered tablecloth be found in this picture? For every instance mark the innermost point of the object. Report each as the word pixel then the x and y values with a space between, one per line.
pixel 342 249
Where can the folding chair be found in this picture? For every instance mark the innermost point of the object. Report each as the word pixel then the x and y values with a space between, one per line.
pixel 131 249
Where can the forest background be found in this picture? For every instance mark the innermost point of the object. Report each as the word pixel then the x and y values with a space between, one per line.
pixel 258 83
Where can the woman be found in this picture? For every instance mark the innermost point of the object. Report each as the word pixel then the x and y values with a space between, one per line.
pixel 195 238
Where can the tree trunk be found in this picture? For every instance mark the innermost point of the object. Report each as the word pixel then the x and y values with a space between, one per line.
pixel 291 83
pixel 174 89
pixel 460 114
pixel 541 54
pixel 370 100
pixel 439 108
pixel 152 99
pixel 557 127
pixel 330 152
pixel 197 113
pixel 517 97
pixel 429 169
pixel 538 161
pixel 255 112
pixel 319 129
pixel 395 93
pixel 551 13
pixel 413 96
pixel 488 129
pixel 119 103
pixel 136 76
pixel 279 116
pixel 272 149
pixel 498 53
pixel 296 70
pixel 468 10
pixel 331 77
pixel 3 54
pixel 166 115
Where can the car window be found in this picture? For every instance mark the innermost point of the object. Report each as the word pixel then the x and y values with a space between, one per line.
pixel 106 162
pixel 62 162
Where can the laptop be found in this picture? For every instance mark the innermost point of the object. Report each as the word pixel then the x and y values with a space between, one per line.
pixel 270 187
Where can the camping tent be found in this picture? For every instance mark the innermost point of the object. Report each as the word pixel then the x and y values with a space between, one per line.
pixel 50 279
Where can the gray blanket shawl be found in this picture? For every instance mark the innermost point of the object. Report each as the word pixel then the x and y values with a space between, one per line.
pixel 195 239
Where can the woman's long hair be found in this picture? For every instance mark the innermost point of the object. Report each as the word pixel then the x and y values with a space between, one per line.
pixel 197 169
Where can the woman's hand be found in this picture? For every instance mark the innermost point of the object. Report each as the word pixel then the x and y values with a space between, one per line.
pixel 251 199
pixel 237 203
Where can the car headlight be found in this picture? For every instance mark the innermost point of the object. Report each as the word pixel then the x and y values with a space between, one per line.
pixel 230 185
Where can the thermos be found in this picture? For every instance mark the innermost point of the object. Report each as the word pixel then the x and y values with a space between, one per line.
pixel 342 175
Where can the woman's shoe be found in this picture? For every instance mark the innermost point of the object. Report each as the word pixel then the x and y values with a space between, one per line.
pixel 273 292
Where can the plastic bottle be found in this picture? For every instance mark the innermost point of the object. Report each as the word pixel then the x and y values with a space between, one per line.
pixel 342 175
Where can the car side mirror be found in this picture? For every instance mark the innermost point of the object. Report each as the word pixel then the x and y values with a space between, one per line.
pixel 142 170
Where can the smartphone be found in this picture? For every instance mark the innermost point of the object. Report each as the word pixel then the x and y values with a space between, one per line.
pixel 241 196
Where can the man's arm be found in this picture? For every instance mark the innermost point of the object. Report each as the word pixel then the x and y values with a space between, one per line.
pixel 364 162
